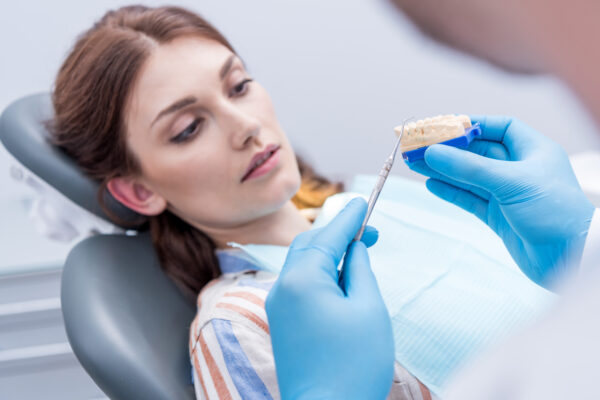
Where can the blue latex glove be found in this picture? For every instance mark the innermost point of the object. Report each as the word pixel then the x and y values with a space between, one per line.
pixel 521 185
pixel 331 342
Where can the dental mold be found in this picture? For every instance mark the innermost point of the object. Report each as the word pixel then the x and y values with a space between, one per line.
pixel 452 130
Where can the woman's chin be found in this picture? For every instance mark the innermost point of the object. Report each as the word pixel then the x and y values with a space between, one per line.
pixel 284 195
pixel 280 193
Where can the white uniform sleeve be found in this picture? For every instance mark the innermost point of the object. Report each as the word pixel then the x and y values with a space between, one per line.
pixel 591 251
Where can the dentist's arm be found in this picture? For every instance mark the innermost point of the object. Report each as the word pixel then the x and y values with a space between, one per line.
pixel 331 341
pixel 521 185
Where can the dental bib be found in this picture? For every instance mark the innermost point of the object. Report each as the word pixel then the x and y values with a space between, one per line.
pixel 450 286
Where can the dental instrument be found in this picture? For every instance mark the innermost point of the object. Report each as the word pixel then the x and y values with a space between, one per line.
pixel 383 174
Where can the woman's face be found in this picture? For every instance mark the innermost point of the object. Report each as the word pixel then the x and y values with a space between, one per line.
pixel 207 138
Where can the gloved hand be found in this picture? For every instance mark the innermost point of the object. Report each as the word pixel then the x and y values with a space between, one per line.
pixel 331 341
pixel 521 185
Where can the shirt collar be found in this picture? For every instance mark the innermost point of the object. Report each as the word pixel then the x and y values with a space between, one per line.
pixel 235 260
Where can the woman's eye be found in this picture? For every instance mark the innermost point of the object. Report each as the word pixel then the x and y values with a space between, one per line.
pixel 241 88
pixel 188 132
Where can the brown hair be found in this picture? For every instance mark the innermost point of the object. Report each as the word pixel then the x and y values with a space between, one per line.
pixel 89 97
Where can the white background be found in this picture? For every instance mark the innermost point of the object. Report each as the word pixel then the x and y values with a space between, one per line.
pixel 342 74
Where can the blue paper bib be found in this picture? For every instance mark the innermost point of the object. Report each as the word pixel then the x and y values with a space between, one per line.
pixel 449 284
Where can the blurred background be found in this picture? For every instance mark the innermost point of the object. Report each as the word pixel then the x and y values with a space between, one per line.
pixel 341 74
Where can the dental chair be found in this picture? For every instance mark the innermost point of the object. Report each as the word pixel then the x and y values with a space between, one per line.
pixel 126 321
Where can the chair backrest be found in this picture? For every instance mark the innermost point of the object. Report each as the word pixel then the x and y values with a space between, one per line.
pixel 126 321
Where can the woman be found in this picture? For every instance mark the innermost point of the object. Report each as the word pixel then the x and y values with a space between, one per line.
pixel 156 105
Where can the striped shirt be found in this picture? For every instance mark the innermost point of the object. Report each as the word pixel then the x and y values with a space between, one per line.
pixel 230 346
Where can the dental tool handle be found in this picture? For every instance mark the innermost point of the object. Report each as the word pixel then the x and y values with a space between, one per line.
pixel 383 174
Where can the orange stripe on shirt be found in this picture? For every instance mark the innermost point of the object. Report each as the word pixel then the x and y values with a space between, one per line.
pixel 215 374
pixel 199 375
pixel 208 285
pixel 247 296
pixel 246 313
pixel 193 336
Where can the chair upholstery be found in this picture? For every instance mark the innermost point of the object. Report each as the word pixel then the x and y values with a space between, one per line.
pixel 126 321
pixel 23 133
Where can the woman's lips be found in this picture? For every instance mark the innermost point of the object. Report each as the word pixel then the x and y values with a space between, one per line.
pixel 262 162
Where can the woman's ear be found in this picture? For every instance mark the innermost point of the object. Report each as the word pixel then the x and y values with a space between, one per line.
pixel 136 196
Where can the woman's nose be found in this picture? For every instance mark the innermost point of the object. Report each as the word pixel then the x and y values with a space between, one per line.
pixel 243 127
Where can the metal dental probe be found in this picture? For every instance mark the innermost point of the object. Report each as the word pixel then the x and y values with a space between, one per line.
pixel 383 174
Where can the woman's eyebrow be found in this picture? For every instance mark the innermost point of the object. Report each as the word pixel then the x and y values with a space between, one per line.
pixel 178 105
pixel 227 66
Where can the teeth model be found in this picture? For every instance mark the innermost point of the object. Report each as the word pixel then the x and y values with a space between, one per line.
pixel 429 131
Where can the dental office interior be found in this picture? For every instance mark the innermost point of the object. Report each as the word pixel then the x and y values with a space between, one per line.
pixel 342 75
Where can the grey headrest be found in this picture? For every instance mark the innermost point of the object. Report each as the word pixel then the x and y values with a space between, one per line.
pixel 23 133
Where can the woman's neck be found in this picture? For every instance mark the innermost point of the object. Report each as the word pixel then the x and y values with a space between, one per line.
pixel 278 228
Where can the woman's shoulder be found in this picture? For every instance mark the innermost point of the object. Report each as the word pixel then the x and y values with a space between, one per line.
pixel 230 345
pixel 237 297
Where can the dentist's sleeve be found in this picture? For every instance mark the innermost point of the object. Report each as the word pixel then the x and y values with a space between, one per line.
pixel 591 251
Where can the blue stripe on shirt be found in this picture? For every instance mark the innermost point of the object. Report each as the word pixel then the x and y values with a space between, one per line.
pixel 232 261
pixel 247 382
